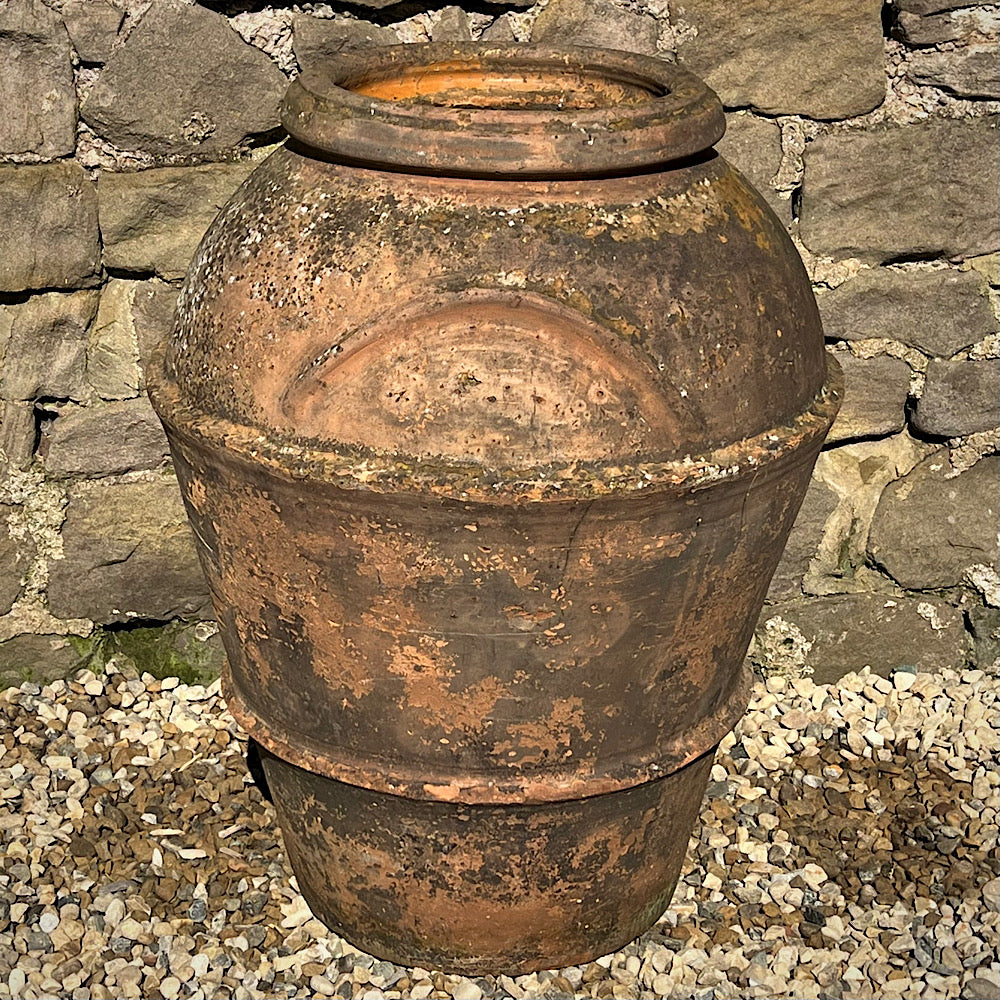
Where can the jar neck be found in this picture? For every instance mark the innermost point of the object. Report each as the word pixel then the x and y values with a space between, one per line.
pixel 518 111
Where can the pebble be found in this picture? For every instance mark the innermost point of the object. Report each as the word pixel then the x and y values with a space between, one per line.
pixel 846 849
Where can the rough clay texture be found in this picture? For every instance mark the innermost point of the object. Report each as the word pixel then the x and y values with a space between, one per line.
pixel 879 153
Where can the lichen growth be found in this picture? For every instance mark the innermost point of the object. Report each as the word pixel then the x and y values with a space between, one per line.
pixel 781 650
pixel 178 650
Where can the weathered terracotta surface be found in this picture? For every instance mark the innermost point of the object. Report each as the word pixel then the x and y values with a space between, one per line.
pixel 490 472
pixel 560 881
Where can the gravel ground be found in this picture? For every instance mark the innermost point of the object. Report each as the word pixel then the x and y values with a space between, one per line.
pixel 847 849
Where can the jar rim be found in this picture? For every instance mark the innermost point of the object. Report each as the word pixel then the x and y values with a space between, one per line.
pixel 517 111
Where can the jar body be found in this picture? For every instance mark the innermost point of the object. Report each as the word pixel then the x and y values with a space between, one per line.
pixel 489 479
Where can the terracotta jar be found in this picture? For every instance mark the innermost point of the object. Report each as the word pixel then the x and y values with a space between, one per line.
pixel 493 395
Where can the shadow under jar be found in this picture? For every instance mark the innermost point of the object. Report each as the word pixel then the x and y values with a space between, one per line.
pixel 493 395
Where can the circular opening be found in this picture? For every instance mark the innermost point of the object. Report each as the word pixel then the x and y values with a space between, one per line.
pixel 461 85
pixel 516 111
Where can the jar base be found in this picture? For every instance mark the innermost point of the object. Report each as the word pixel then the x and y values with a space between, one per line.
pixel 486 888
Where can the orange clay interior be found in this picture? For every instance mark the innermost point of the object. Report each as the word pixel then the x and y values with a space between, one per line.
pixel 468 85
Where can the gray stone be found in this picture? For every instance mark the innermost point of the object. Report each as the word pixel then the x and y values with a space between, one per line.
pixel 500 32
pixel 37 92
pixel 153 306
pixel 980 988
pixel 819 58
pixel 50 227
pixel 984 625
pixel 924 189
pixel 192 651
pixel 753 146
pixel 153 220
pixel 930 526
pixel 931 6
pixel 972 71
pixel 875 391
pixel 598 23
pixel 959 398
pixel 127 552
pixel 950 26
pixel 184 82
pixel 17 435
pixel 112 348
pixel 451 25
pixel 93 27
pixel 938 312
pixel 15 558
pixel 315 39
pixel 104 439
pixel 988 266
pixel 810 524
pixel 851 631
pixel 46 353
pixel 38 658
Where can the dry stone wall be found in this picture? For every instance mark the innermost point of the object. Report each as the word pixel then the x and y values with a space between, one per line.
pixel 871 128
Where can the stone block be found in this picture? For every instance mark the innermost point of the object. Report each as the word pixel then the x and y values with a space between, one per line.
pixel 500 32
pixel 451 25
pixel 104 439
pixel 875 391
pixel 988 266
pixel 127 553
pixel 852 631
pixel 191 651
pixel 916 190
pixel 818 58
pixel 598 23
pixel 971 71
pixel 37 91
pixel 315 39
pixel 15 557
pixel 37 658
pixel 17 435
pixel 858 472
pixel 931 6
pixel 950 26
pixel 184 82
pixel 112 345
pixel 984 624
pixel 753 146
pixel 153 220
pixel 46 352
pixel 93 27
pixel 938 312
pixel 931 526
pixel 959 398
pixel 803 543
pixel 50 227
pixel 153 306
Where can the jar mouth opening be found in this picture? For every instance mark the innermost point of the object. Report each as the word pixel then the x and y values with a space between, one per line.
pixel 472 110
pixel 464 85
